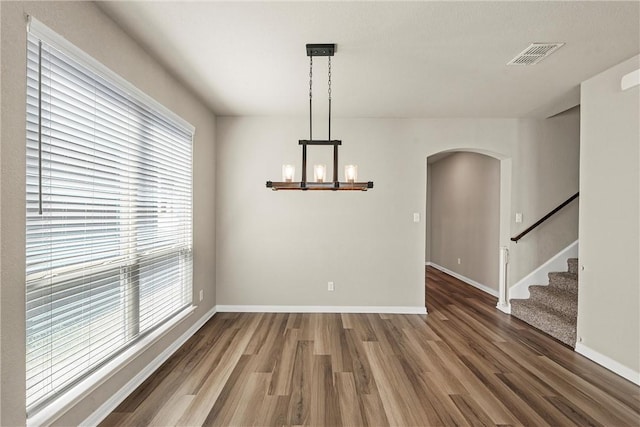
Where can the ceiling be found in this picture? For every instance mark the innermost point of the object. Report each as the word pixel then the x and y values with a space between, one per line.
pixel 393 59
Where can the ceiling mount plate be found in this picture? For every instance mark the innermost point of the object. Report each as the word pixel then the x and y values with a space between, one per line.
pixel 327 49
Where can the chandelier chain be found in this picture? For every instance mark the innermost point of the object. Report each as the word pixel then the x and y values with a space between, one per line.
pixel 310 75
pixel 310 107
pixel 329 90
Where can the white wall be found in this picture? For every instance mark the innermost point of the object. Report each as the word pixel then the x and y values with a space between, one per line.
pixel 83 24
pixel 281 248
pixel 609 285
pixel 546 173
pixel 465 216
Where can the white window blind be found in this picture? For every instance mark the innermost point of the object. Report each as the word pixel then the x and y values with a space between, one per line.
pixel 109 220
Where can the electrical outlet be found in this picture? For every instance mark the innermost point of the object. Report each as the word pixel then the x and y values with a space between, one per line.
pixel 330 287
pixel 201 294
pixel 459 261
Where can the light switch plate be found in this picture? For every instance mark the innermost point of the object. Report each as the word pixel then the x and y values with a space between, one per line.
pixel 416 217
pixel 518 217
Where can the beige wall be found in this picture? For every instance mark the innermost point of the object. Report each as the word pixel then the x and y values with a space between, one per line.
pixel 281 248
pixel 541 172
pixel 465 216
pixel 85 26
pixel 609 285
pixel 546 173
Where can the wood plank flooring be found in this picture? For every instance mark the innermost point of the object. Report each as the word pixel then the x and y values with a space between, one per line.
pixel 465 363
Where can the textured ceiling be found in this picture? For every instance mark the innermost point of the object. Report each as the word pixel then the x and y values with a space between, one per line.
pixel 394 59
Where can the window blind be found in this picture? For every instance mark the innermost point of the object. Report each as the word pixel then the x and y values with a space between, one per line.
pixel 109 219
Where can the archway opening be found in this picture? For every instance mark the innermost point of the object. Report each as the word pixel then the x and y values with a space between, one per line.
pixel 467 215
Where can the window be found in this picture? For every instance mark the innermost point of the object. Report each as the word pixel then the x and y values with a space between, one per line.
pixel 108 227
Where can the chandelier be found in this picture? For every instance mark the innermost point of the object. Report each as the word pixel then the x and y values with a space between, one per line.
pixel 320 181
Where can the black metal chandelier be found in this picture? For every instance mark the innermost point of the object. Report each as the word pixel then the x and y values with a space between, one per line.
pixel 320 183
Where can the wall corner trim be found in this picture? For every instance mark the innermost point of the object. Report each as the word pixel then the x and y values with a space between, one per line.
pixel 112 403
pixel 320 309
pixel 609 363
pixel 468 281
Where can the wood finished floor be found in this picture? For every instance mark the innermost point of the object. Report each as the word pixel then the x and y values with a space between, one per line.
pixel 465 363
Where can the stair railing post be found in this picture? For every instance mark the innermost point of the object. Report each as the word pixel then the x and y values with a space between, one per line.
pixel 503 289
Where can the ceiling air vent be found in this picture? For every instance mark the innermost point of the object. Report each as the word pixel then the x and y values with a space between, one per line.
pixel 535 53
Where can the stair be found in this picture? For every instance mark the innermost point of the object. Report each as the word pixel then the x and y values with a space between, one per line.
pixel 553 308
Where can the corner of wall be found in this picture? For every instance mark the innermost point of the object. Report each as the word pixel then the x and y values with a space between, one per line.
pixel 609 287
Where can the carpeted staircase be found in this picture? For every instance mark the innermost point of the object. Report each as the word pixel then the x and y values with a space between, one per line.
pixel 554 308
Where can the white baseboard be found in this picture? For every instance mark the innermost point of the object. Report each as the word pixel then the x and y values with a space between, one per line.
pixel 112 403
pixel 540 276
pixel 468 281
pixel 505 308
pixel 320 309
pixel 610 364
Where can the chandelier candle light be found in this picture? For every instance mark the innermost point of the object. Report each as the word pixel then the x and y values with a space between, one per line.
pixel 288 172
pixel 320 171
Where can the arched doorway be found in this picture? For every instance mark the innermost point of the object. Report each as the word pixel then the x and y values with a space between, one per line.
pixel 467 215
